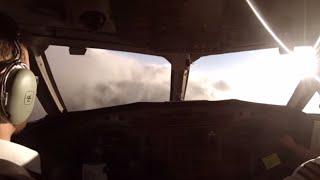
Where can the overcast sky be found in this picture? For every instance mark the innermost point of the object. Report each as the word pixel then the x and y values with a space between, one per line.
pixel 103 78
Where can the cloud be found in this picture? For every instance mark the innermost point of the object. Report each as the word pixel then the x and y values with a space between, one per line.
pixel 117 93
pixel 221 85
pixel 196 91
pixel 106 78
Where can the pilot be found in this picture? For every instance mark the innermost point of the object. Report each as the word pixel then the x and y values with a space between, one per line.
pixel 17 93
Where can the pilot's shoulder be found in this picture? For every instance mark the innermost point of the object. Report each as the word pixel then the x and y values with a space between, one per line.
pixel 20 155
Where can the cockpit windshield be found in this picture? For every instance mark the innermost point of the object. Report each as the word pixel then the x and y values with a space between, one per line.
pixel 262 76
pixel 103 78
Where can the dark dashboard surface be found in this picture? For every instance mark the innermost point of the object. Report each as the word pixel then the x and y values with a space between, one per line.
pixel 172 140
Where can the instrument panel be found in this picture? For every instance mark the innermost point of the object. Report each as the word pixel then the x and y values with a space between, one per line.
pixel 180 140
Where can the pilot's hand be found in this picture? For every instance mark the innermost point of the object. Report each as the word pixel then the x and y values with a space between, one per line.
pixel 288 142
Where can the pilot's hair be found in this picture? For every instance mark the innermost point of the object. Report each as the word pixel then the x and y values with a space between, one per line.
pixel 8 34
pixel 6 49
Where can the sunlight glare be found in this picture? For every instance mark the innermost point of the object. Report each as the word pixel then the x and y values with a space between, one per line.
pixel 303 61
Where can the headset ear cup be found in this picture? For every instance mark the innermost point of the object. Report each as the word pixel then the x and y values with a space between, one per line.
pixel 22 89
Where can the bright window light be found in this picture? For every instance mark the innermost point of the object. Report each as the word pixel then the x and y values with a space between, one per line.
pixel 304 60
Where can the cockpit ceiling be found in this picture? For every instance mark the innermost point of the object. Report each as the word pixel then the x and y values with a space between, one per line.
pixel 165 26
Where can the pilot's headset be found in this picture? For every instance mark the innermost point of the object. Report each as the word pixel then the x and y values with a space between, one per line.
pixel 18 85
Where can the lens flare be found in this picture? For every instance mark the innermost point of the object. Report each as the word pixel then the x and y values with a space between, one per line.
pixel 307 56
pixel 267 27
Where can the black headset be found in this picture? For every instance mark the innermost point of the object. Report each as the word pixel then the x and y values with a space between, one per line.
pixel 18 85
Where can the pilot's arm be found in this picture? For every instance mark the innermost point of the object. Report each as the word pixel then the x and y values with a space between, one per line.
pixel 309 170
pixel 12 171
pixel 299 150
